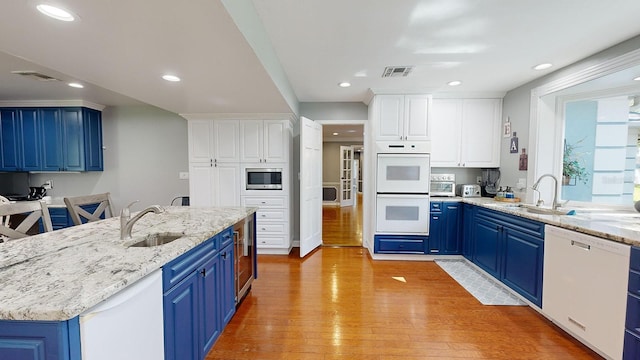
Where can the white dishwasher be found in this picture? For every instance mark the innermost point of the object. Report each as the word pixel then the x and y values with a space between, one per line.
pixel 585 288
pixel 126 326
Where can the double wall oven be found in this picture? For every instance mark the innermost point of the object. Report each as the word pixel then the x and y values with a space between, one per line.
pixel 402 187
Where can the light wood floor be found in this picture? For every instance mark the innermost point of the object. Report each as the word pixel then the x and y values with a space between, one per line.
pixel 342 226
pixel 339 304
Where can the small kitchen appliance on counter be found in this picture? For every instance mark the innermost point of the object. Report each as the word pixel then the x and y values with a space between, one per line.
pixel 443 185
pixel 468 191
pixel 490 182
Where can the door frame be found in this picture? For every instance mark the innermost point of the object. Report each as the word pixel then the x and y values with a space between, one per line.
pixel 367 213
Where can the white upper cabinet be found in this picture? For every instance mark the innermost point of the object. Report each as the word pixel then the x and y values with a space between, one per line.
pixel 466 133
pixel 213 141
pixel 402 117
pixel 264 141
pixel 217 185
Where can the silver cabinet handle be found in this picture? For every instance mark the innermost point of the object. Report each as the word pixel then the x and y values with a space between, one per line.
pixel 576 323
pixel 581 245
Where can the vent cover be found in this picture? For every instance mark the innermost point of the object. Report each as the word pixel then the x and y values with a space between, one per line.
pixel 396 71
pixel 35 75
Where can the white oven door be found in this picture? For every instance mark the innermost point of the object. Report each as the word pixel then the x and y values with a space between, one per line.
pixel 403 173
pixel 402 214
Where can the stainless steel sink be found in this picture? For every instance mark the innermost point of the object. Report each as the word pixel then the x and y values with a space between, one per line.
pixel 157 239
pixel 543 210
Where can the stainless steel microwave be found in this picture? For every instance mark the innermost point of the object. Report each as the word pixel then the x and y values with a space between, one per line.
pixel 264 179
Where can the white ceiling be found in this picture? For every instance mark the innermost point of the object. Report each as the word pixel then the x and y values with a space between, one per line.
pixel 120 48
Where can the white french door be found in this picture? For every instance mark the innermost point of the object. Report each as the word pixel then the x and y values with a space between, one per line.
pixel 310 185
pixel 346 175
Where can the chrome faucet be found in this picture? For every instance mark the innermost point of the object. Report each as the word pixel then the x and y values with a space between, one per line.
pixel 555 205
pixel 126 222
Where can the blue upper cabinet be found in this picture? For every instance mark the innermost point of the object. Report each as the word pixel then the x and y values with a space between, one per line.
pixel 10 136
pixel 51 139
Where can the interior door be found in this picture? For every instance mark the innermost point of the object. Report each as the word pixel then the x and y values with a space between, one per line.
pixel 310 185
pixel 346 175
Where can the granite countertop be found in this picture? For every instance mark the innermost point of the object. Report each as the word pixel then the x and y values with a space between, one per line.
pixel 60 274
pixel 607 222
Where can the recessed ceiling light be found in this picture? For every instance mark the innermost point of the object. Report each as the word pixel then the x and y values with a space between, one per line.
pixel 542 66
pixel 76 85
pixel 171 78
pixel 344 84
pixel 335 134
pixel 454 83
pixel 55 12
pixel 637 79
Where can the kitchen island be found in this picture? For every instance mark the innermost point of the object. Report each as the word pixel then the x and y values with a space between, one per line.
pixel 52 278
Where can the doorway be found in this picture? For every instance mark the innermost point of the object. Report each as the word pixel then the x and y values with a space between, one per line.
pixel 342 149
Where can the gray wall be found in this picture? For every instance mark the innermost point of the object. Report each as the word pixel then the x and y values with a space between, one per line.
pixel 331 160
pixel 145 149
pixel 516 105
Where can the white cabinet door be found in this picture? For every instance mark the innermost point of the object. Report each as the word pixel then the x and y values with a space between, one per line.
pixel 390 117
pixel 276 141
pixel 227 183
pixel 480 146
pixel 200 141
pixel 251 140
pixel 446 123
pixel 416 117
pixel 201 184
pixel 226 142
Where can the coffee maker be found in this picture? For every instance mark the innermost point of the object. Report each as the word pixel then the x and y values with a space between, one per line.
pixel 490 182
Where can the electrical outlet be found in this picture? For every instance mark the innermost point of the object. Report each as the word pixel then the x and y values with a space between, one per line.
pixel 478 179
pixel 48 184
pixel 183 175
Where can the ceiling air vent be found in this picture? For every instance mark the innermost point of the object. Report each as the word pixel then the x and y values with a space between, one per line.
pixel 35 75
pixel 396 71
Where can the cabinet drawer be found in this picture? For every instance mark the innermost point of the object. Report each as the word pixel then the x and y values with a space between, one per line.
pixel 270 228
pixel 226 237
pixel 400 244
pixel 271 241
pixel 632 322
pixel 436 206
pixel 270 215
pixel 634 262
pixel 179 268
pixel 631 346
pixel 265 202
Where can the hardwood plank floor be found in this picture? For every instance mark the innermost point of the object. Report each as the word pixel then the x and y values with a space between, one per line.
pixel 337 303
pixel 342 226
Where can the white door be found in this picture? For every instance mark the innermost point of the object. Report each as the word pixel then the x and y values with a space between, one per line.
pixel 390 119
pixel 227 184
pixel 481 132
pixel 310 185
pixel 275 141
pixel 445 129
pixel 346 175
pixel 226 141
pixel 200 141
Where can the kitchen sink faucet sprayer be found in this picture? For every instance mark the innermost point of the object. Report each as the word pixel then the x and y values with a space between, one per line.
pixel 555 205
pixel 126 222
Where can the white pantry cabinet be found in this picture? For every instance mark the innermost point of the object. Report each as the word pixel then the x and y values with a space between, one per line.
pixel 214 184
pixel 264 141
pixel 466 132
pixel 402 117
pixel 214 141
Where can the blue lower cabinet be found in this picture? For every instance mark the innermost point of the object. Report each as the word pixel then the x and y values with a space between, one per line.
pixel 508 247
pixel 199 298
pixel 40 340
pixel 181 320
pixel 468 235
pixel 523 265
pixel 632 322
pixel 400 244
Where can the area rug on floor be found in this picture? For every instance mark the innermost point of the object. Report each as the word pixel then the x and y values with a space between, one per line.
pixel 482 287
